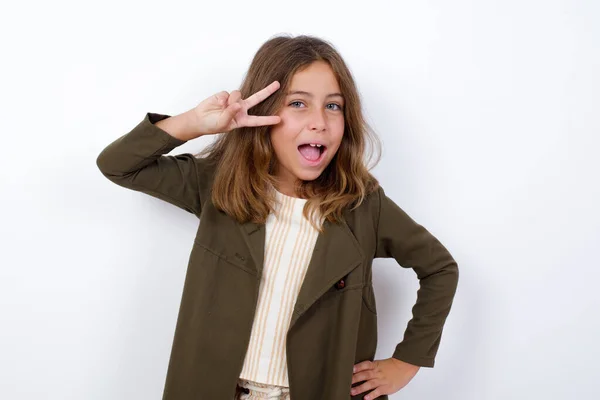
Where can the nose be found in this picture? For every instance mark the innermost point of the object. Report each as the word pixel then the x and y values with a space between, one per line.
pixel 317 121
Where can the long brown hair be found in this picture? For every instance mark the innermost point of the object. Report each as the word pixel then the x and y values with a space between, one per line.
pixel 244 158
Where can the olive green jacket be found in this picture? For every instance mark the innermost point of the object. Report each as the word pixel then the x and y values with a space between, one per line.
pixel 334 321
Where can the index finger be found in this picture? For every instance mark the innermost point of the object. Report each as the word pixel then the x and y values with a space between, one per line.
pixel 261 95
pixel 363 366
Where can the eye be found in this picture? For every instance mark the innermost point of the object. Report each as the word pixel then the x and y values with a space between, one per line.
pixel 339 107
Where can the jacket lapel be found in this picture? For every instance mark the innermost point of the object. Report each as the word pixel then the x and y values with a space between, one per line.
pixel 336 253
pixel 254 235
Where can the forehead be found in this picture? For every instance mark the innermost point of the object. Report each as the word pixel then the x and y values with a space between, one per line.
pixel 318 79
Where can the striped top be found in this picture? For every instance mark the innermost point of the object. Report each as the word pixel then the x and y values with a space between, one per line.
pixel 289 244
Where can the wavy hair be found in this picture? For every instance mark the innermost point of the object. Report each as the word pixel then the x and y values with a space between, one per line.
pixel 244 158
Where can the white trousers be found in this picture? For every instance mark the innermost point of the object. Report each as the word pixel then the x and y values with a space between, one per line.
pixel 257 390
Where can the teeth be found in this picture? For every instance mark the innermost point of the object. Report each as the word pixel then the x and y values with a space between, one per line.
pixel 313 145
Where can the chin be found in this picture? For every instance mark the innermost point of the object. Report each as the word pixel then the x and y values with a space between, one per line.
pixel 309 176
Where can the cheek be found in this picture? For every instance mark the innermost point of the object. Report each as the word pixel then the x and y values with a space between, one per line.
pixel 290 122
pixel 337 135
pixel 286 130
pixel 280 139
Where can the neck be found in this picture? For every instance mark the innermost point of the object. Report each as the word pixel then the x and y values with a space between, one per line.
pixel 287 190
pixel 286 183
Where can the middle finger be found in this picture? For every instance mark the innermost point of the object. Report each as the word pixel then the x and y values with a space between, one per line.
pixel 363 376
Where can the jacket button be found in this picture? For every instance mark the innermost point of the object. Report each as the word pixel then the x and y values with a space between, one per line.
pixel 340 284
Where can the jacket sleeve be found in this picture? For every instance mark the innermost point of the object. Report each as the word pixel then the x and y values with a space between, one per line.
pixel 412 246
pixel 137 161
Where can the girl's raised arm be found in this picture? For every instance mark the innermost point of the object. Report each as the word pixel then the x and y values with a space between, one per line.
pixel 138 160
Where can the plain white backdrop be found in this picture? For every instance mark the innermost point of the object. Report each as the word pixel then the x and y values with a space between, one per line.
pixel 489 112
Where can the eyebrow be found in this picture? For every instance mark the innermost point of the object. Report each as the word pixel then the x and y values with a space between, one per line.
pixel 311 95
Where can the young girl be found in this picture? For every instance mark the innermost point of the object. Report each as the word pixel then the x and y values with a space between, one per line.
pixel 278 298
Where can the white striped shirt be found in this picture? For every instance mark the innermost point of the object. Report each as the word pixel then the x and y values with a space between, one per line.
pixel 289 244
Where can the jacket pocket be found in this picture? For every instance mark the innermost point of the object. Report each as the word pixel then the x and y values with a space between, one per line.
pixel 232 256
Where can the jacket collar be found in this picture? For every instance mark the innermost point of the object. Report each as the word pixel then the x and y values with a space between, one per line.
pixel 336 253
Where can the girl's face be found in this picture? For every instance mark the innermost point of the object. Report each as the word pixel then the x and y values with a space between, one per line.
pixel 311 127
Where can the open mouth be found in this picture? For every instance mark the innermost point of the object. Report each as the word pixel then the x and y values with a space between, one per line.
pixel 312 152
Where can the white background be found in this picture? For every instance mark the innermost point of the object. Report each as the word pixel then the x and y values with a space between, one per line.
pixel 489 115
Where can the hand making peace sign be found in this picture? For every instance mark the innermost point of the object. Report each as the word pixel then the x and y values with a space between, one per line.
pixel 225 111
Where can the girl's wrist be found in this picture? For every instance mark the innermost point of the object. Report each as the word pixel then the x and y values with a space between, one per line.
pixel 182 126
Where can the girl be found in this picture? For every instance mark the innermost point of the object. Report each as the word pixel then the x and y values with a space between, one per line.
pixel 278 298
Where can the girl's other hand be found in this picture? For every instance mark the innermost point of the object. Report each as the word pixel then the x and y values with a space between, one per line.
pixel 382 377
pixel 225 111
